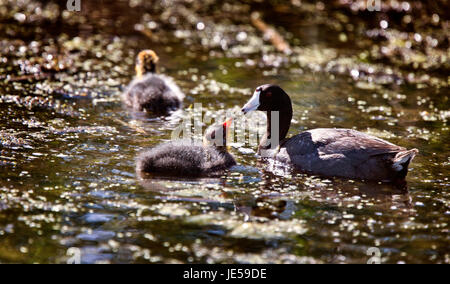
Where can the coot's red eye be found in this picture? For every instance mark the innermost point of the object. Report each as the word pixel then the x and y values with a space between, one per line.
pixel 268 94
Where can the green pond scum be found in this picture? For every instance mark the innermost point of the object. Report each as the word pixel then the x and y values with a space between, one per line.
pixel 68 146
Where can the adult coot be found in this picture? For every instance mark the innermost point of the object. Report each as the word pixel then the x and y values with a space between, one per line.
pixel 325 151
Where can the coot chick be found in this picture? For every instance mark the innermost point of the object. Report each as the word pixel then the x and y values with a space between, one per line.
pixel 151 92
pixel 326 151
pixel 187 159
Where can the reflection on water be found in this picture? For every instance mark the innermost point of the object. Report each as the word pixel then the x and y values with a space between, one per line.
pixel 68 147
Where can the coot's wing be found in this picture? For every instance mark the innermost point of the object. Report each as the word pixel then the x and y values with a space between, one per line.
pixel 154 93
pixel 348 142
pixel 149 86
pixel 346 153
pixel 143 90
pixel 357 145
pixel 171 87
pixel 180 157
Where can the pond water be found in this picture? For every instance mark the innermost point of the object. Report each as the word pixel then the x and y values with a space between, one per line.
pixel 68 147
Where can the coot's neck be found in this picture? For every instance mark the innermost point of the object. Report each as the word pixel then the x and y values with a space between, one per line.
pixel 142 70
pixel 150 68
pixel 278 123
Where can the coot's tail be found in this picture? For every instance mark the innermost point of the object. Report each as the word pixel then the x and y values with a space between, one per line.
pixel 401 161
pixel 145 163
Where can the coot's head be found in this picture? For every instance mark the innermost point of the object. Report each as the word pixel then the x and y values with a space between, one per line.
pixel 268 98
pixel 217 135
pixel 146 62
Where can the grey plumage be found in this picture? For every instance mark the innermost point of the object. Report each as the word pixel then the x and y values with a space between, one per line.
pixel 345 153
pixel 183 158
pixel 153 93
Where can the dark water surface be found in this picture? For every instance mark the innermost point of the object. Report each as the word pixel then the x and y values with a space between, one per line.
pixel 67 145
